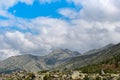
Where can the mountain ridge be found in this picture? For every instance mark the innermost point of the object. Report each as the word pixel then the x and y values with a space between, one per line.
pixel 96 57
pixel 59 59
pixel 34 63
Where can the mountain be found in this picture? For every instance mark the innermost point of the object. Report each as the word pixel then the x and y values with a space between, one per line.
pixel 23 62
pixel 92 58
pixel 60 59
pixel 63 53
pixel 111 65
pixel 59 56
pixel 36 63
pixel 98 50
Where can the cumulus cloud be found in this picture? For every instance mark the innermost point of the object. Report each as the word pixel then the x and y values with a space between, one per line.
pixel 99 10
pixel 95 25
pixel 67 12
pixel 77 35
pixel 4 53
pixel 17 40
pixel 6 4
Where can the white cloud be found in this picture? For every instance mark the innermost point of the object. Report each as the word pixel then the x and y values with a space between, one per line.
pixel 67 12
pixel 18 40
pixel 4 53
pixel 99 10
pixel 77 35
pixel 6 4
pixel 96 25
pixel 47 1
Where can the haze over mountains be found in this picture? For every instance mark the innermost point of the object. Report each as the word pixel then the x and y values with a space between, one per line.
pixel 59 59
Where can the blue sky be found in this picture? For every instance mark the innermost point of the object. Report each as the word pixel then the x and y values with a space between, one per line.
pixel 39 26
pixel 41 9
pixel 3 18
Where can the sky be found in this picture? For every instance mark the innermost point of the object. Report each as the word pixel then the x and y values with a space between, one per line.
pixel 40 26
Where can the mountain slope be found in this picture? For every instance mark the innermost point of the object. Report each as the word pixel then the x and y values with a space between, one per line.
pixel 98 50
pixel 23 62
pixel 58 56
pixel 63 53
pixel 109 66
pixel 93 58
pixel 36 63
